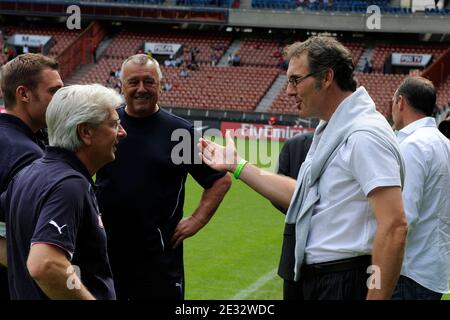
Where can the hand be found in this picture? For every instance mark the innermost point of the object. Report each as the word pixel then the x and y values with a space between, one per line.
pixel 218 157
pixel 186 228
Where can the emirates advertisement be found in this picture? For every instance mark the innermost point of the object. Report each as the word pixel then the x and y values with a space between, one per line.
pixel 257 131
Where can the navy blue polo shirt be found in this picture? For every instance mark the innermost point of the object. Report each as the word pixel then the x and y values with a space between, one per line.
pixel 141 193
pixel 52 201
pixel 19 146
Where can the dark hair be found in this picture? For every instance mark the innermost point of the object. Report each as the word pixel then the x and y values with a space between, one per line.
pixel 24 70
pixel 325 53
pixel 444 127
pixel 419 93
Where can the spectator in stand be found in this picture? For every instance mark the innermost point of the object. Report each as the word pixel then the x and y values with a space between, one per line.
pixel 236 60
pixel 166 86
pixel 230 59
pixel 170 62
pixel 179 61
pixel 368 67
pixel 184 73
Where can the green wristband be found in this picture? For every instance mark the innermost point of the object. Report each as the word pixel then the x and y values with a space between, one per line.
pixel 239 168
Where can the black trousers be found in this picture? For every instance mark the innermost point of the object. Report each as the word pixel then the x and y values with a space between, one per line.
pixel 408 289
pixel 151 288
pixel 336 280
pixel 292 290
pixel 4 287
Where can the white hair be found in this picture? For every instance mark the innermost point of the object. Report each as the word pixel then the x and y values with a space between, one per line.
pixel 74 105
pixel 141 59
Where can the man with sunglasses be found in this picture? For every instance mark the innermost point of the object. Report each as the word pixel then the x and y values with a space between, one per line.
pixel 347 204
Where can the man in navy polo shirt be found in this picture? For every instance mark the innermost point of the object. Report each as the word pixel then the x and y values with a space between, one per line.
pixel 28 83
pixel 56 240
pixel 141 193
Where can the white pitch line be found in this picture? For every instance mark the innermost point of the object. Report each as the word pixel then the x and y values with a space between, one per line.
pixel 243 294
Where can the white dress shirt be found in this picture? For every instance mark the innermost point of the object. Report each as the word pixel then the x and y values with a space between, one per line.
pixel 426 198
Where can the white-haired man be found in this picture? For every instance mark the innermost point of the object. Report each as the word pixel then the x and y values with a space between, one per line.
pixel 57 245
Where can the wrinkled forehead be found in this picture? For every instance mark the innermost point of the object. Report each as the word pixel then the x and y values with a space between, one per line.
pixel 132 69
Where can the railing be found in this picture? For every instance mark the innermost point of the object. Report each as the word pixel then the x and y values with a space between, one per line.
pixel 80 51
pixel 439 70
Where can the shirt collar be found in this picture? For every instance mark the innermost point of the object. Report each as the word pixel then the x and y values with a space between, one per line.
pixel 413 126
pixel 21 126
pixel 56 153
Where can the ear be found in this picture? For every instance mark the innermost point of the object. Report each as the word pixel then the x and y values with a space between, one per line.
pixel 328 78
pixel 401 103
pixel 23 94
pixel 85 133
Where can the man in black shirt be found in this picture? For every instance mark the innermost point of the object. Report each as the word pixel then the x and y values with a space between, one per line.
pixel 141 193
pixel 290 160
pixel 56 240
pixel 28 83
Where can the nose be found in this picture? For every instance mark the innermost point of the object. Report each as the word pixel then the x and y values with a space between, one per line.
pixel 121 133
pixel 141 86
pixel 290 90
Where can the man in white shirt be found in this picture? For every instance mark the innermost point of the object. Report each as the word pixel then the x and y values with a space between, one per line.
pixel 346 204
pixel 425 272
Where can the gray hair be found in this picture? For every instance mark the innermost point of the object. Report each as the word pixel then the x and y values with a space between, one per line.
pixel 141 59
pixel 74 105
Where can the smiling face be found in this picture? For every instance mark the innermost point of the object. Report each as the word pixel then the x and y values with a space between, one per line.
pixel 141 88
pixel 305 92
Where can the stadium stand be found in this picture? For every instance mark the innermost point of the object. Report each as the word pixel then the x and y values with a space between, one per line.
pixel 443 94
pixel 382 52
pixel 128 43
pixel 62 36
pixel 222 87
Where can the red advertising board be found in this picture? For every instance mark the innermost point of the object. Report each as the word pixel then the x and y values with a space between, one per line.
pixel 257 131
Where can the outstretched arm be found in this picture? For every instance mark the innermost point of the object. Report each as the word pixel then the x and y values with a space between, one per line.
pixel 276 188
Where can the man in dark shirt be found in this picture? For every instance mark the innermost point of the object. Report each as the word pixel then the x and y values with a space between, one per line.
pixel 28 83
pixel 56 240
pixel 290 160
pixel 141 193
